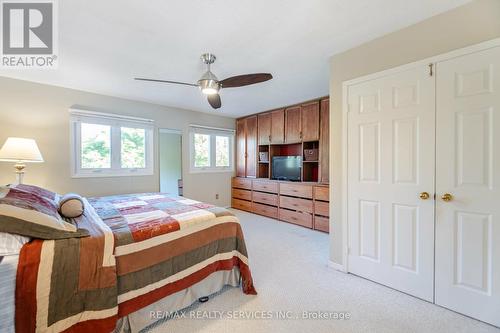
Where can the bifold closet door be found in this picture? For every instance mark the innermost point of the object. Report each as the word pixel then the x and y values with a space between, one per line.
pixel 468 170
pixel 391 163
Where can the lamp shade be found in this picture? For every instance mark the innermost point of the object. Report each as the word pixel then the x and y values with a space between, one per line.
pixel 20 150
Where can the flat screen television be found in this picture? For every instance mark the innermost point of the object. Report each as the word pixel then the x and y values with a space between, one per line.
pixel 286 168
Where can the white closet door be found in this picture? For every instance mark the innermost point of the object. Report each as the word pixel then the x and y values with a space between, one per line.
pixel 468 168
pixel 391 161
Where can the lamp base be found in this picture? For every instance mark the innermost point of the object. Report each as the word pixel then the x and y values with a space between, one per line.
pixel 19 172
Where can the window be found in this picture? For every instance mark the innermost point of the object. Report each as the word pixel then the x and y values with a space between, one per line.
pixel 211 149
pixel 106 145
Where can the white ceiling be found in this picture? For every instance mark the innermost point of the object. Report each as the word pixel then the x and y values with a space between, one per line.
pixel 104 44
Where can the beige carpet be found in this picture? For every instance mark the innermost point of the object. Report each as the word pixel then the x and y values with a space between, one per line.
pixel 289 266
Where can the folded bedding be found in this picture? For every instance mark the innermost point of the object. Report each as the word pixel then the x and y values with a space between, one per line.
pixel 141 248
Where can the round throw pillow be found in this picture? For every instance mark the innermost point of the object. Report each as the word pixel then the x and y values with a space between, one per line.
pixel 71 205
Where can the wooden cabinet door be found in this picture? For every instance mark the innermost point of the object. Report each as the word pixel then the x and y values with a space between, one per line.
pixel 251 136
pixel 240 148
pixel 293 125
pixel 324 143
pixel 278 126
pixel 310 121
pixel 264 128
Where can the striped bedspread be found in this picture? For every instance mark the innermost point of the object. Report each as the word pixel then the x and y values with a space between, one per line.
pixel 142 248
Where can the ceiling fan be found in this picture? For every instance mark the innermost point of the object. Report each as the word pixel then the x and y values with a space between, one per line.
pixel 210 85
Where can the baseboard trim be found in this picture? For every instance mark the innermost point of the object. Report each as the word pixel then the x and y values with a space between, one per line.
pixel 337 267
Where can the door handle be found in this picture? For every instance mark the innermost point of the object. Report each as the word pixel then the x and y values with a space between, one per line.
pixel 447 197
pixel 424 196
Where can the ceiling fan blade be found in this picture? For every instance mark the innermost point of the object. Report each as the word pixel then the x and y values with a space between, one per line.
pixel 245 80
pixel 164 81
pixel 214 101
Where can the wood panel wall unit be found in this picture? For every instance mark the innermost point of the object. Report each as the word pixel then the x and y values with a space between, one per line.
pixel 241 148
pixel 287 131
pixel 310 121
pixel 246 147
pixel 324 140
pixel 278 126
pixel 293 127
pixel 304 204
pixel 264 128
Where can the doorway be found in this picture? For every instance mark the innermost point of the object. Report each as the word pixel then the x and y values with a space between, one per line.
pixel 170 157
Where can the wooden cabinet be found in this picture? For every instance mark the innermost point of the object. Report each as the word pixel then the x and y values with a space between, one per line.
pixel 303 204
pixel 246 147
pixel 310 121
pixel 292 131
pixel 264 125
pixel 278 126
pixel 322 208
pixel 324 141
pixel 293 125
pixel 251 129
pixel 241 148
pixel 271 127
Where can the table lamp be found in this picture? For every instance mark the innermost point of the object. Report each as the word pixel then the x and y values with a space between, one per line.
pixel 20 151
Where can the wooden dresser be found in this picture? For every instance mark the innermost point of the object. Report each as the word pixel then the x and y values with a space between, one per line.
pixel 305 204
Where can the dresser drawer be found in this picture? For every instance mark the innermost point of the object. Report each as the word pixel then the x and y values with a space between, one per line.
pixel 321 224
pixel 322 193
pixel 296 190
pixel 243 183
pixel 266 198
pixel 303 219
pixel 241 204
pixel 321 208
pixel 241 194
pixel 265 210
pixel 302 205
pixel 263 186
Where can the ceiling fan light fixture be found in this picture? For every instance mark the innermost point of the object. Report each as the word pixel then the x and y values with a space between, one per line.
pixel 209 87
pixel 209 91
pixel 209 84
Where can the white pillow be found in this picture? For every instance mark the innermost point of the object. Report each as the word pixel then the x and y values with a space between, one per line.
pixel 11 244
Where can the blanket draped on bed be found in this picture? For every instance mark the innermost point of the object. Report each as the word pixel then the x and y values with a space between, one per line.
pixel 141 248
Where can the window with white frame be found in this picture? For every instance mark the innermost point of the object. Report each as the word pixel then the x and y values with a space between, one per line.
pixel 211 150
pixel 106 145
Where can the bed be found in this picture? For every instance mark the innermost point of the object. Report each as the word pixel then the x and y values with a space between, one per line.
pixel 145 252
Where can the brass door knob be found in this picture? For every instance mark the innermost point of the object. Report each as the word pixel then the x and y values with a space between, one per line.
pixel 424 196
pixel 447 197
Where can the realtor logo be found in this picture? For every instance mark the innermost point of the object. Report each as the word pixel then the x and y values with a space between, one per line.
pixel 28 34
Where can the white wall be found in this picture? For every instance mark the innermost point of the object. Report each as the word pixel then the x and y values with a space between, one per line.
pixel 470 24
pixel 41 112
